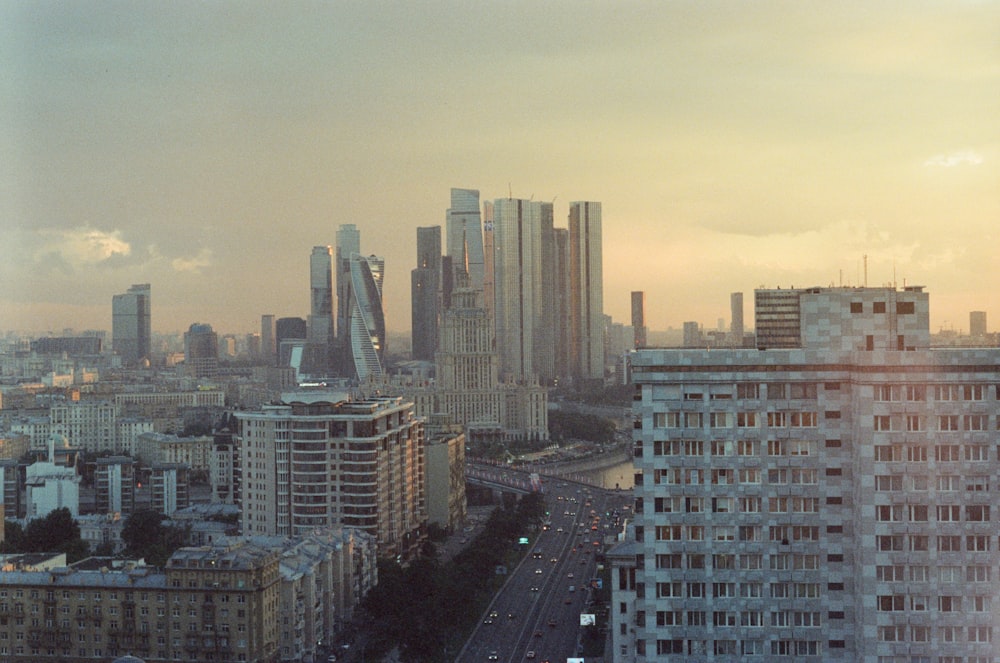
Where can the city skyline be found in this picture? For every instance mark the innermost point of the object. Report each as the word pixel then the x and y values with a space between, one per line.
pixel 206 149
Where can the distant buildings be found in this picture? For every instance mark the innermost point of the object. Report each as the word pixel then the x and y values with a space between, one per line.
pixel 827 497
pixel 320 325
pixel 586 291
pixel 366 323
pixel 639 318
pixel 977 324
pixel 131 324
pixel 425 294
pixel 201 351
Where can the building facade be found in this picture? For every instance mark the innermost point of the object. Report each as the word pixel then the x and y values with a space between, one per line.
pixel 586 291
pixel 465 235
pixel 322 460
pixel 830 501
pixel 367 334
pixel 425 294
pixel 131 324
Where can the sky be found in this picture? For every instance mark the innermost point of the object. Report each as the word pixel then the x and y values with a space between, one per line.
pixel 206 147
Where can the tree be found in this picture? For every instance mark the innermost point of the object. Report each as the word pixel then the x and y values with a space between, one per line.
pixel 146 536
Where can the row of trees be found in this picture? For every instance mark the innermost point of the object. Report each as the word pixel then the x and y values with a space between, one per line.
pixel 428 609
pixel 146 534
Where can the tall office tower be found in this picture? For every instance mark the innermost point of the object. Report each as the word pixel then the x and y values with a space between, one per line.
pixel 320 327
pixel 348 243
pixel 131 328
pixel 546 332
pixel 776 318
pixel 559 274
pixel 320 459
pixel 586 291
pixel 517 235
pixel 736 318
pixel 201 351
pixel 489 261
pixel 977 324
pixel 425 295
pixel 639 318
pixel 367 317
pixel 827 502
pixel 465 234
pixel 268 345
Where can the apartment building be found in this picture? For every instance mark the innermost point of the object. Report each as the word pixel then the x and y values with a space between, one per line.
pixel 320 459
pixel 830 497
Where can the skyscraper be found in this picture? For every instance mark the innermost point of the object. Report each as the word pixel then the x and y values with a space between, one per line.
pixel 425 296
pixel 586 290
pixel 131 328
pixel 268 346
pixel 465 234
pixel 348 243
pixel 639 318
pixel 201 351
pixel 517 234
pixel 827 501
pixel 321 330
pixel 558 273
pixel 367 317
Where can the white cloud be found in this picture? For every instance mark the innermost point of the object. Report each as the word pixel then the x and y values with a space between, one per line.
pixel 955 159
pixel 194 264
pixel 86 246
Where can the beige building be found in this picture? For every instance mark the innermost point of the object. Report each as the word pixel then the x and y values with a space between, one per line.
pixel 321 459
pixel 446 506
pixel 195 452
pixel 209 604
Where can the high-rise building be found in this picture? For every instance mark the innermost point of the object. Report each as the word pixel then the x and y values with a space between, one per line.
pixel 468 388
pixel 736 318
pixel 776 318
pixel 425 293
pixel 131 326
pixel 639 318
pixel 320 324
pixel 289 334
pixel 489 260
pixel 348 243
pixel 268 346
pixel 201 351
pixel 367 318
pixel 977 324
pixel 558 272
pixel 586 291
pixel 831 501
pixel 320 459
pixel 517 233
pixel 465 234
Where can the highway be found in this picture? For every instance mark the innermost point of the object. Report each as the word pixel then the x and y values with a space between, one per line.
pixel 535 615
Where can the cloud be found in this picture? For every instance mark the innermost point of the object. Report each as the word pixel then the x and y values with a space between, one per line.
pixel 955 159
pixel 81 247
pixel 194 264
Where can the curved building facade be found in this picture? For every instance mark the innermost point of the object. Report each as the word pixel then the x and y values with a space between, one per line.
pixel 367 318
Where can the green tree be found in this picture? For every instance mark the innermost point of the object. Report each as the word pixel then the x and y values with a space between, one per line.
pixel 145 535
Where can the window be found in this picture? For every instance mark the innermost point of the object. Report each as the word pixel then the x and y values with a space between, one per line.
pixel 950 573
pixel 747 390
pixel 746 420
pixel 916 392
pixel 878 307
pixel 944 453
pixel 888 452
pixel 947 483
pixel 889 542
pixel 719 420
pixel 888 482
pixel 857 307
pixel 749 475
pixel 976 452
pixel 914 423
pixel 949 604
pixel 977 573
pixel 890 573
pixel 977 512
pixel 719 448
pixel 948 422
pixel 889 513
pixel 748 447
pixel 883 422
pixel 948 513
pixel 916 454
pixel 949 543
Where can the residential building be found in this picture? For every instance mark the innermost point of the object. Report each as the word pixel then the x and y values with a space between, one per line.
pixel 320 459
pixel 50 486
pixel 131 324
pixel 446 505
pixel 195 451
pixel 831 500
pixel 88 425
pixel 115 482
pixel 586 291
pixel 639 318
pixel 171 487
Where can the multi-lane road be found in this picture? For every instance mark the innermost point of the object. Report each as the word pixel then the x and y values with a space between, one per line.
pixel 537 613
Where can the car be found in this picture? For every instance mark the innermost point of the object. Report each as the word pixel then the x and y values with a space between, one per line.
pixel 511 615
pixel 559 530
pixel 488 621
pixel 568 600
pixel 554 560
pixel 552 623
pixel 533 588
pixel 493 656
pixel 538 571
pixel 529 654
pixel 494 614
pixel 569 575
pixel 538 634
pixel 582 561
pixel 537 554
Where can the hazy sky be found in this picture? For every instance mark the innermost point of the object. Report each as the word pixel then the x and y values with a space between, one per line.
pixel 206 147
